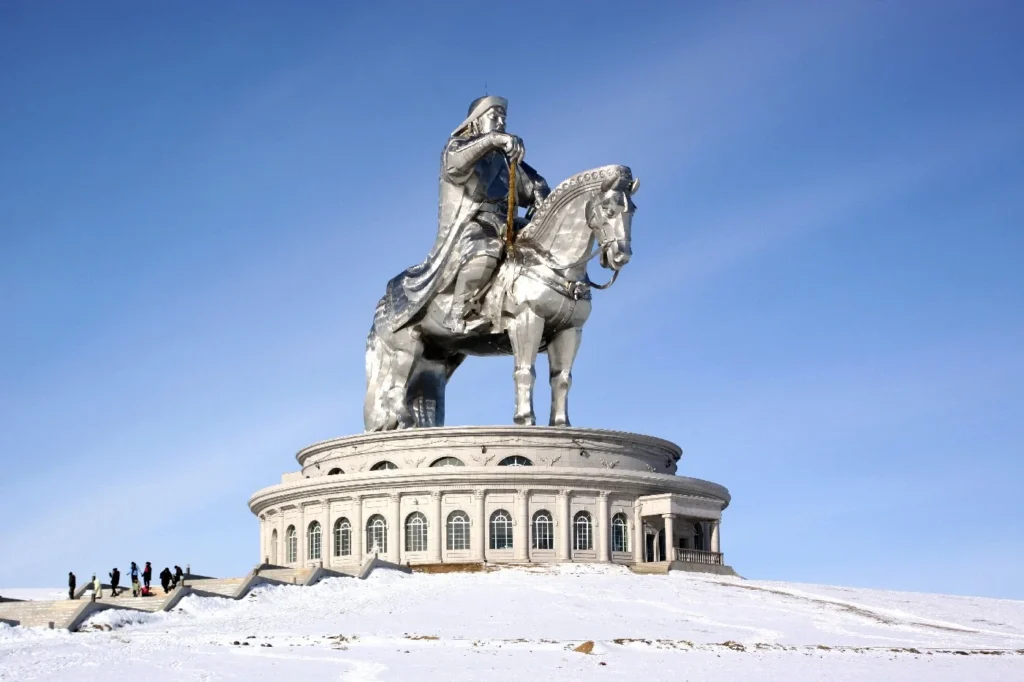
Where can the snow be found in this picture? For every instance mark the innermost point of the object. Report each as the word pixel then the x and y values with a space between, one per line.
pixel 513 623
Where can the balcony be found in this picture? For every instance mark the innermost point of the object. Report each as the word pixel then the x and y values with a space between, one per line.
pixel 697 556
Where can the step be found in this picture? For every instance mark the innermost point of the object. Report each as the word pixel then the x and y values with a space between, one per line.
pixel 227 587
pixel 41 613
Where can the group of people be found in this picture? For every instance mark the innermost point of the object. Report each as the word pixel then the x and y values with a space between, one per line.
pixel 168 581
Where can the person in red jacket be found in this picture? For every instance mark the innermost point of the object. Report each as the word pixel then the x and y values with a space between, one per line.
pixel 147 575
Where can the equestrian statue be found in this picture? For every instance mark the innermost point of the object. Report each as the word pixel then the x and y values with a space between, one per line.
pixel 495 283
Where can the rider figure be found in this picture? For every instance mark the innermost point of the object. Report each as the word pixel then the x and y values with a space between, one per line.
pixel 474 190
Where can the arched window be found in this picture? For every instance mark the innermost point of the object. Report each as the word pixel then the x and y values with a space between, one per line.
pixel 515 461
pixel 698 536
pixel 383 466
pixel 448 462
pixel 581 531
pixel 416 532
pixel 501 530
pixel 543 530
pixel 620 533
pixel 273 547
pixel 342 537
pixel 335 471
pixel 291 545
pixel 458 530
pixel 376 535
pixel 313 536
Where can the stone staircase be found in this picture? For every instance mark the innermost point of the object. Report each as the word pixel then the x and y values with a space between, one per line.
pixel 68 614
pixel 61 613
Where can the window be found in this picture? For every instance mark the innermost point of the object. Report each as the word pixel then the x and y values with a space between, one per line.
pixel 313 536
pixel 383 466
pixel 291 545
pixel 335 471
pixel 543 530
pixel 448 462
pixel 416 532
pixel 581 531
pixel 273 547
pixel 501 530
pixel 342 537
pixel 515 461
pixel 620 533
pixel 376 535
pixel 458 530
pixel 698 536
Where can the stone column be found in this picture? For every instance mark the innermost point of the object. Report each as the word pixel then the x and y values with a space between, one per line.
pixel 604 534
pixel 479 526
pixel 716 543
pixel 279 559
pixel 326 534
pixel 435 536
pixel 521 536
pixel 563 535
pixel 637 536
pixel 358 532
pixel 394 553
pixel 670 537
pixel 300 532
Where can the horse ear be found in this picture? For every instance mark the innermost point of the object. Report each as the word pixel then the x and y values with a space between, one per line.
pixel 634 186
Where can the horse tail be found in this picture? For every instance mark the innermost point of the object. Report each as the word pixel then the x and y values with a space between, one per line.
pixel 376 414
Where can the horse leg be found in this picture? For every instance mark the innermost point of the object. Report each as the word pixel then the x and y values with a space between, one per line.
pixel 561 354
pixel 525 333
pixel 408 347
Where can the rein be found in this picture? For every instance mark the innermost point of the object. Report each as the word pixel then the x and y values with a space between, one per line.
pixel 545 260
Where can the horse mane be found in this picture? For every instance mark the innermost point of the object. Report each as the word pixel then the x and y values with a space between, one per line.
pixel 545 216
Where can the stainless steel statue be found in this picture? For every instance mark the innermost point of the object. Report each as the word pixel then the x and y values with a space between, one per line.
pixel 488 290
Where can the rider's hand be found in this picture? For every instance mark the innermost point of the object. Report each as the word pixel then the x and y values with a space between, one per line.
pixel 513 147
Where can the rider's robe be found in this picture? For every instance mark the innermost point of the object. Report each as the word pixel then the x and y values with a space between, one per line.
pixel 473 181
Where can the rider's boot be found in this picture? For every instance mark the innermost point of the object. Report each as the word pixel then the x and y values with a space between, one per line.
pixel 473 276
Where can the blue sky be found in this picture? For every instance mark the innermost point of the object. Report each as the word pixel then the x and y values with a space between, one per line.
pixel 200 204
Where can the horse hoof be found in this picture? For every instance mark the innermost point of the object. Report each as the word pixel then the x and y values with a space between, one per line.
pixel 563 421
pixel 525 420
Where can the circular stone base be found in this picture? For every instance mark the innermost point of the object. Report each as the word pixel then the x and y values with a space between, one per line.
pixel 489 493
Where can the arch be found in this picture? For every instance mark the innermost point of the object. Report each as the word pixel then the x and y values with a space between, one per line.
pixel 273 547
pixel 383 465
pixel 335 471
pixel 447 462
pixel 515 461
pixel 376 535
pixel 416 532
pixel 698 536
pixel 342 537
pixel 314 535
pixel 543 530
pixel 620 533
pixel 458 530
pixel 291 545
pixel 582 531
pixel 501 530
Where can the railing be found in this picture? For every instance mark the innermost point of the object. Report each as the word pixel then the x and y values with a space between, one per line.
pixel 697 556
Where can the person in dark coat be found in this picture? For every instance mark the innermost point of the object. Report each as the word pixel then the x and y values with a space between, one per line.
pixel 178 575
pixel 165 579
pixel 71 585
pixel 115 579
pixel 147 575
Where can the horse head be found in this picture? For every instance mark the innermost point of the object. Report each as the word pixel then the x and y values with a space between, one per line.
pixel 609 215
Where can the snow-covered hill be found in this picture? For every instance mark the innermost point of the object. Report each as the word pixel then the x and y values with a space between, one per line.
pixel 514 624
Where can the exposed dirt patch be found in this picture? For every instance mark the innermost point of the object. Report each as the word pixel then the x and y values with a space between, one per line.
pixel 585 648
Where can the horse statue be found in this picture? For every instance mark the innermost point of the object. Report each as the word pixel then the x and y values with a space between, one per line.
pixel 538 301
